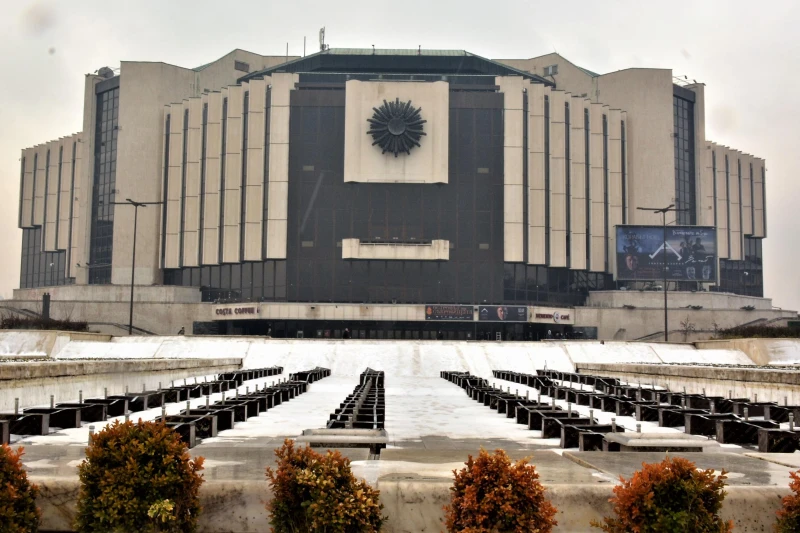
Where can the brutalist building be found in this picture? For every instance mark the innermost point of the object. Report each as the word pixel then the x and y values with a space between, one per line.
pixel 403 194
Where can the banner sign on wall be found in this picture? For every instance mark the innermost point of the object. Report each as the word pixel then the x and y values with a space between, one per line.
pixel 448 312
pixel 691 253
pixel 503 313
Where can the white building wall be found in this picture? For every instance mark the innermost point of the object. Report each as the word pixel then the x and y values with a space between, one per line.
pixel 597 188
pixel 26 207
pixel 722 201
pixel 614 183
pixel 232 198
pixel 191 213
pixel 759 224
pixel 174 187
pixel 39 181
pixel 734 204
pixel 513 195
pixel 558 178
pixel 50 227
pixel 254 186
pixel 747 201
pixel 578 177
pixel 536 190
pixel 278 196
pixel 211 201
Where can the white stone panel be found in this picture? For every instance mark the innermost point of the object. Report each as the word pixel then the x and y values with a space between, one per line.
pixel 706 203
pixel 437 250
pixel 363 162
pixel 734 205
pixel 191 211
pixel 282 85
pixel 211 202
pixel 26 207
pixel 747 201
pixel 65 193
pixel 174 187
pixel 722 203
pixel 51 197
pixel 511 87
pixel 597 187
pixel 536 190
pixel 558 180
pixel 577 184
pixel 614 183
pixel 254 193
pixel 39 180
pixel 759 228
pixel 233 176
pixel 79 216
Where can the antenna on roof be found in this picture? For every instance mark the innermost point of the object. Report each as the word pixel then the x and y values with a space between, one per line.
pixel 419 50
pixel 322 39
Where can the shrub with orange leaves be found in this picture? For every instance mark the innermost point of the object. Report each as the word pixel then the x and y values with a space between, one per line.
pixel 18 512
pixel 491 495
pixel 138 477
pixel 318 493
pixel 789 514
pixel 672 495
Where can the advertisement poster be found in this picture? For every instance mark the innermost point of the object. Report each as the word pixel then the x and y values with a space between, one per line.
pixel 503 313
pixel 691 253
pixel 448 312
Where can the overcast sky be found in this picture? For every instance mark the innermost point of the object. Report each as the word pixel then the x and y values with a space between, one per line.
pixel 747 53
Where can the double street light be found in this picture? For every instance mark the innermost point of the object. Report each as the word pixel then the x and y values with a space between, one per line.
pixel 136 206
pixel 664 211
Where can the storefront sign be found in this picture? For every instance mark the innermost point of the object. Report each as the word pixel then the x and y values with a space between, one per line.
pixel 448 312
pixel 237 312
pixel 503 313
pixel 549 315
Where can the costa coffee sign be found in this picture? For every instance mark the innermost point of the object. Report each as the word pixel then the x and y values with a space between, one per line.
pixel 236 312
pixel 552 316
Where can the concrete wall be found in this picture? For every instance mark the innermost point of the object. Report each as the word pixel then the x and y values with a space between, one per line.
pixel 34 382
pixel 632 324
pixel 166 309
pixel 412 503
pixel 677 299
pixel 762 351
pixel 768 384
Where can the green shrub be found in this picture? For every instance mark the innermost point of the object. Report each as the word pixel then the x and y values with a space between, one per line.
pixel 490 495
pixel 24 322
pixel 789 514
pixel 672 495
pixel 18 512
pixel 314 493
pixel 138 477
pixel 765 332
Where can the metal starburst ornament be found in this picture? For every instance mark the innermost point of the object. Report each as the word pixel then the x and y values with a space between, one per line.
pixel 396 126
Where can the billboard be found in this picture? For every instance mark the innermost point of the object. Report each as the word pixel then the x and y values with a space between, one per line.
pixel 503 313
pixel 691 253
pixel 448 312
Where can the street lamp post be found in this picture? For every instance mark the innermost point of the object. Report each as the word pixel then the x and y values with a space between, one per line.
pixel 664 211
pixel 136 206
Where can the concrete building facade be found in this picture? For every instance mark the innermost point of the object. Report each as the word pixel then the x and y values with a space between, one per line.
pixel 351 178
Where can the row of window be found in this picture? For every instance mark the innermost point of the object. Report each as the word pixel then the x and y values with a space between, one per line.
pixel 103 187
pixel 683 137
pixel 38 268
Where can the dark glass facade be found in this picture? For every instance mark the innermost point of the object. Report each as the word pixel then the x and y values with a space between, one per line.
pixel 683 137
pixel 41 269
pixel 103 189
pixel 744 277
pixel 324 210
